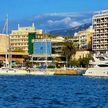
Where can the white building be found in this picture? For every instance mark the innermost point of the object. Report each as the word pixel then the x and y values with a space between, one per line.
pixel 100 26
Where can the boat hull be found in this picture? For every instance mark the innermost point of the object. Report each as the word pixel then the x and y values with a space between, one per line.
pixel 97 71
pixel 13 72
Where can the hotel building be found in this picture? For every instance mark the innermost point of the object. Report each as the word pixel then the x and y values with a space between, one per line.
pixel 100 26
pixel 20 38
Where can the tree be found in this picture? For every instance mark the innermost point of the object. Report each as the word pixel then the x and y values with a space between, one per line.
pixel 74 62
pixel 51 36
pixel 1 63
pixel 69 51
pixel 84 62
pixel 57 61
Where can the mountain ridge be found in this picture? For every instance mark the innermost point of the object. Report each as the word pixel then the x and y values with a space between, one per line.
pixel 70 31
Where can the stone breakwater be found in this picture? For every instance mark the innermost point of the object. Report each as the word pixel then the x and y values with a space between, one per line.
pixel 66 72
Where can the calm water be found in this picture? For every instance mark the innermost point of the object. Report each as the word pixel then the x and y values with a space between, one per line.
pixel 53 92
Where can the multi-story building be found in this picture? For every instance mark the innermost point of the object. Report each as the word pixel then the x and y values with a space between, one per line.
pixel 83 39
pixel 4 43
pixel 100 26
pixel 57 46
pixel 4 46
pixel 57 51
pixel 50 49
pixel 42 47
pixel 20 38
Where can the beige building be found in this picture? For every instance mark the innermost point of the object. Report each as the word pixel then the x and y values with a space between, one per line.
pixel 4 43
pixel 4 46
pixel 83 39
pixel 19 38
pixel 100 25
pixel 81 54
pixel 57 46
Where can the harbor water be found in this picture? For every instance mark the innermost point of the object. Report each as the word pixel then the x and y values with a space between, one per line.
pixel 53 92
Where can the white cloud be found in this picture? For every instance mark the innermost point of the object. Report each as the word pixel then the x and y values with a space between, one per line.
pixel 62 20
pixel 67 21
pixel 68 14
pixel 75 23
pixel 50 22
pixel 87 20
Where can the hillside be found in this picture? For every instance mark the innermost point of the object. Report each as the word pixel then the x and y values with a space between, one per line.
pixel 70 31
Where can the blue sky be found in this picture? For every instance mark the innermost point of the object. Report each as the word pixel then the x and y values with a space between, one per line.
pixel 49 14
pixel 18 9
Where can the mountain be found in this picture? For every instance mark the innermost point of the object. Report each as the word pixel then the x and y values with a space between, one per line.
pixel 51 21
pixel 70 31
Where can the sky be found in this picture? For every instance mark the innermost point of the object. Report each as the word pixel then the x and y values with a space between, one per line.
pixel 20 9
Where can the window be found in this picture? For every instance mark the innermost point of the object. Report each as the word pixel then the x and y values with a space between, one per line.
pixel 103 65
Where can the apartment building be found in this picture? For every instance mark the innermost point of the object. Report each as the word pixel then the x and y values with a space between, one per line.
pixel 83 39
pixel 4 43
pixel 100 26
pixel 4 46
pixel 19 38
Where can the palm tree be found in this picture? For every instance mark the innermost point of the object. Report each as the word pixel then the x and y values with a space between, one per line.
pixel 69 50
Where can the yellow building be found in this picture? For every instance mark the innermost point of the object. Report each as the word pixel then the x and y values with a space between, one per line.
pixel 81 54
pixel 4 43
pixel 83 39
pixel 19 38
pixel 57 46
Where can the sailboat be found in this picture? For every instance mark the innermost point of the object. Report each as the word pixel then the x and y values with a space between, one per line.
pixel 7 69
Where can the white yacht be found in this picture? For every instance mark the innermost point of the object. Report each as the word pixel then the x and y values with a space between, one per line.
pixel 98 67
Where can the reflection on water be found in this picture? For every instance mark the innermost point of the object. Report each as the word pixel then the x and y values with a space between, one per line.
pixel 53 92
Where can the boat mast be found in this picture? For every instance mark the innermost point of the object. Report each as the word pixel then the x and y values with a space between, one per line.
pixel 46 50
pixel 46 54
pixel 5 28
pixel 5 31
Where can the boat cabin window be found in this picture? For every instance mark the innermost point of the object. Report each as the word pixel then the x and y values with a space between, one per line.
pixel 101 58
pixel 103 65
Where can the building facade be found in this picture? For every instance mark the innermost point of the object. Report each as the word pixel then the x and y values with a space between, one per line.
pixel 48 49
pixel 4 43
pixel 21 38
pixel 42 47
pixel 83 39
pixel 100 26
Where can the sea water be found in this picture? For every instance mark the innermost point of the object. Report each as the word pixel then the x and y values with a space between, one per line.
pixel 53 92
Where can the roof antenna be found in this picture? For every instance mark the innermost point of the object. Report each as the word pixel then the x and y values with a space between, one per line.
pixel 33 24
pixel 18 26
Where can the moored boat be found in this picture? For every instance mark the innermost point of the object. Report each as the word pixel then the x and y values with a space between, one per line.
pixel 12 71
pixel 99 67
